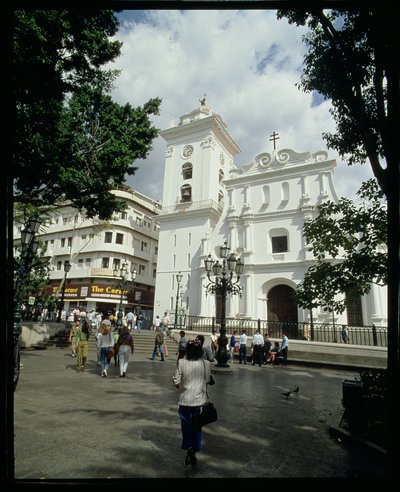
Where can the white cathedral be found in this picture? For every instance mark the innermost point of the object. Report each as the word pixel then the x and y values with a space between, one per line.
pixel 259 209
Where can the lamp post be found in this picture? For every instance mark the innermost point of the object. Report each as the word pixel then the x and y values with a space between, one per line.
pixel 179 277
pixel 121 281
pixel 29 247
pixel 67 268
pixel 224 283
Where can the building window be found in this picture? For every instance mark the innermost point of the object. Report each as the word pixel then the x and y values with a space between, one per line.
pixel 285 192
pixel 186 193
pixel 279 244
pixel 59 263
pixel 69 242
pixel 143 246
pixel 154 273
pixel 354 310
pixel 187 170
pixel 138 221
pixel 65 220
pixel 220 196
pixel 88 261
pixel 52 241
pixel 63 242
pixel 124 215
pixel 83 237
pixel 116 263
pixel 156 250
pixel 80 263
pixel 105 262
pixel 120 238
pixel 142 269
pixel 108 237
pixel 221 175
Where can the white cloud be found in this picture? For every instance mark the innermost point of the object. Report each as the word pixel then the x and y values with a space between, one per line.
pixel 247 62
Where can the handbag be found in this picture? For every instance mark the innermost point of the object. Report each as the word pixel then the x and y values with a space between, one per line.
pixel 208 412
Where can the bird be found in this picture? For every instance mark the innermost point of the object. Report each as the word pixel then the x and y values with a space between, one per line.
pixel 287 394
pixel 296 390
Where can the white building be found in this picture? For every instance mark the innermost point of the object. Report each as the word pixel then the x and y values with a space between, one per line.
pixel 259 208
pixel 94 249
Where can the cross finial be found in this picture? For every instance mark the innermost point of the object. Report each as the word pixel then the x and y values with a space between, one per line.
pixel 274 137
pixel 203 101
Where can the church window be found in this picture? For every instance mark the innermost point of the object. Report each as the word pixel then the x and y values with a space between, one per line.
pixel 221 175
pixel 220 197
pixel 186 193
pixel 285 192
pixel 354 310
pixel 187 169
pixel 279 244
pixel 279 240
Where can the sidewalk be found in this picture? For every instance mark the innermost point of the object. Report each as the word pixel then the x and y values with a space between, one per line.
pixel 81 426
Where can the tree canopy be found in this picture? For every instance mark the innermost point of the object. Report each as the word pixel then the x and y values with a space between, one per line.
pixel 72 142
pixel 350 61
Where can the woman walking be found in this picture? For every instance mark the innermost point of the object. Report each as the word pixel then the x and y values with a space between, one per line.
pixel 105 343
pixel 82 337
pixel 190 377
pixel 124 347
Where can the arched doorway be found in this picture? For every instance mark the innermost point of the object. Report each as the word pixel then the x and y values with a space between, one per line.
pixel 282 307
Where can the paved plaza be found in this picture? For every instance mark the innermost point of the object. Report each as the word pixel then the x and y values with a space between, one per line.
pixel 80 426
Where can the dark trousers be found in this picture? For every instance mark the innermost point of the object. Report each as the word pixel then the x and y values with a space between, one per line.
pixel 243 354
pixel 257 354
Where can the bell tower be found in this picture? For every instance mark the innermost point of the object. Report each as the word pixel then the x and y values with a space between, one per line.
pixel 198 157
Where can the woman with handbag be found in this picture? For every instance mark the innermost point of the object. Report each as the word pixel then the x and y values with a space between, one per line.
pixel 123 348
pixel 191 375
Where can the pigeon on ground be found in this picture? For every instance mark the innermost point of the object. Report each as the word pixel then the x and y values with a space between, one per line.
pixel 287 394
pixel 296 390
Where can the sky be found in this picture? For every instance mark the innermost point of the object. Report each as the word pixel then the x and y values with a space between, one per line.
pixel 246 62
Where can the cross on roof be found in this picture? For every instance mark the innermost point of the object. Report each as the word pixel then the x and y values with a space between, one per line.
pixel 274 137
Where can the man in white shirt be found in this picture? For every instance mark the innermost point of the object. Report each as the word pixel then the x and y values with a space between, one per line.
pixel 258 342
pixel 284 348
pixel 243 348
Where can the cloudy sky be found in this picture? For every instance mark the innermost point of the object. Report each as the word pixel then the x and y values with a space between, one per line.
pixel 246 62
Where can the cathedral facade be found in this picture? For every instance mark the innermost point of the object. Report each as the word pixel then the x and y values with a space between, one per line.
pixel 259 209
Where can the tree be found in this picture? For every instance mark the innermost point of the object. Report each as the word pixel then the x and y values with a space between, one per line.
pixel 350 61
pixel 349 243
pixel 72 141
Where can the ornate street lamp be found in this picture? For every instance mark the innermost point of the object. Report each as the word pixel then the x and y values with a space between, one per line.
pixel 223 284
pixel 67 268
pixel 178 277
pixel 121 280
pixel 28 250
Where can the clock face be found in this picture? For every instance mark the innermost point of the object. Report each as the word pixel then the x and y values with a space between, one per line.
pixel 187 151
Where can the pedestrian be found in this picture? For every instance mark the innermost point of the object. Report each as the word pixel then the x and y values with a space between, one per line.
pixel 345 334
pixel 182 345
pixel 129 319
pixel 191 374
pixel 258 344
pixel 124 348
pixel 207 352
pixel 284 348
pixel 158 344
pixel 232 344
pixel 72 336
pixel 243 348
pixel 82 338
pixel 164 331
pixel 214 341
pixel 106 343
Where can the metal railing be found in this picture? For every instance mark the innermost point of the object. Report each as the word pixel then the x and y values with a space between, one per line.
pixel 315 332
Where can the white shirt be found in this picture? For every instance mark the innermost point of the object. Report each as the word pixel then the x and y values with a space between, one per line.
pixel 189 374
pixel 243 339
pixel 258 339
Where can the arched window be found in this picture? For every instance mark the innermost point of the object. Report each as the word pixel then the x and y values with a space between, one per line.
pixel 186 193
pixel 187 170
pixel 221 175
